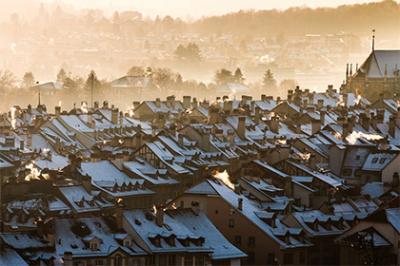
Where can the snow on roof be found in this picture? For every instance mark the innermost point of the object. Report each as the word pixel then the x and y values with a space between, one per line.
pixel 144 224
pixel 20 240
pixel 204 188
pixel 54 162
pixel 318 223
pixel 75 123
pixel 145 170
pixel 393 216
pixel 377 161
pixel 381 60
pixel 373 189
pixel 80 199
pixel 201 225
pixel 68 241
pixel 11 257
pixel 250 210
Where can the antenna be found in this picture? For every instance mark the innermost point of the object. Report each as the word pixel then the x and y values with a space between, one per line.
pixel 37 83
pixel 373 40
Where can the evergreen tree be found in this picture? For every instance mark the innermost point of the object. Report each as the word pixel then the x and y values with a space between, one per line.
pixel 238 76
pixel 269 81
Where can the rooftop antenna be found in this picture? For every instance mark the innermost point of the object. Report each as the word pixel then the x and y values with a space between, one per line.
pixel 373 40
pixel 37 83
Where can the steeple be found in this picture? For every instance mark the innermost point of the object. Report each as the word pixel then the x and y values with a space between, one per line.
pixel 373 40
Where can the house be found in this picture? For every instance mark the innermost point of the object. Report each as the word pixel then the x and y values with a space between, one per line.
pixel 378 74
pixel 259 233
pixel 373 240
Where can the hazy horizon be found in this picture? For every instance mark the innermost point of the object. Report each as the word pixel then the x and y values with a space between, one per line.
pixel 176 8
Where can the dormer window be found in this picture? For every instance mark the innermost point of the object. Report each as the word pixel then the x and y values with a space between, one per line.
pixel 127 243
pixel 93 245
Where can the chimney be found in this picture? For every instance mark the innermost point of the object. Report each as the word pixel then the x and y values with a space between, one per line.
pixel 257 115
pixel 160 216
pixel 398 117
pixel 171 101
pixel 345 99
pixel 392 126
pixel 315 126
pixel 274 124
pixel 320 104
pixel 194 103
pixel 114 116
pixel 186 102
pixel 228 106
pixel 96 105
pixel 240 203
pixel 105 105
pixel 135 104
pixel 158 102
pixel 57 110
pixel 380 115
pixel 213 114
pixel 263 97
pixel 67 258
pixel 180 139
pixel 365 121
pixel 322 117
pixel 241 128
pixel 22 144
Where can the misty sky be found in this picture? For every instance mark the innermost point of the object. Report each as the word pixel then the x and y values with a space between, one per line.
pixel 198 8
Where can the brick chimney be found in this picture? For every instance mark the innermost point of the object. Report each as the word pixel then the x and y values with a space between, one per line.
pixel 114 116
pixel 57 110
pixel 105 105
pixel 241 127
pixel 320 104
pixel 228 107
pixel 240 203
pixel 160 216
pixel 158 102
pixel 392 126
pixel 315 126
pixel 257 114
pixel 186 101
pixel 195 103
pixel 274 124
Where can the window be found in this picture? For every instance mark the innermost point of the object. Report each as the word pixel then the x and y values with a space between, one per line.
pixel 251 258
pixel 231 223
pixel 238 241
pixel 171 260
pixel 252 241
pixel 288 258
pixel 99 262
pixel 358 157
pixel 195 204
pixel 188 260
pixel 118 261
pixel 382 160
pixel 374 160
pixel 347 172
pixel 302 258
pixel 271 259
pixel 216 211
pixel 93 245
pixel 200 261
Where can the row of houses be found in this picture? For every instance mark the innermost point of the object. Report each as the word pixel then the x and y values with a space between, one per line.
pixel 309 180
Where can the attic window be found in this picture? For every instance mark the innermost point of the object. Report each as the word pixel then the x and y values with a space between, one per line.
pixel 382 160
pixel 93 245
pixel 374 160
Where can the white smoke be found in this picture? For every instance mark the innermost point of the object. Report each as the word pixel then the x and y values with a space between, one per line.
pixel 341 101
pixel 13 119
pixel 357 100
pixel 224 177
pixel 355 135
pixel 84 108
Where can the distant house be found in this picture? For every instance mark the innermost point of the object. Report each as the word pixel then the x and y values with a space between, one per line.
pixel 127 86
pixel 49 88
